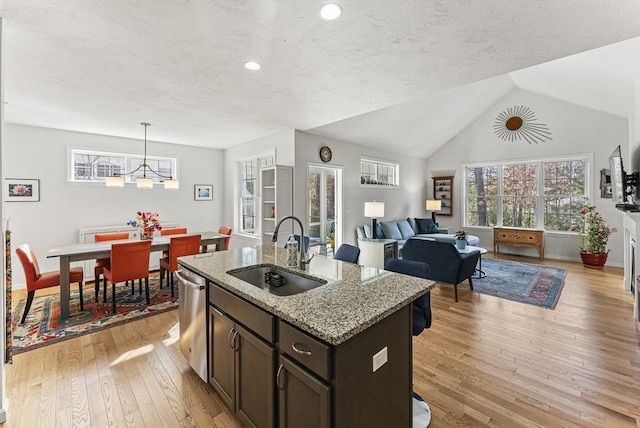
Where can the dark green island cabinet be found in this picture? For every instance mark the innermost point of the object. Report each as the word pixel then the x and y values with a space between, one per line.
pixel 272 373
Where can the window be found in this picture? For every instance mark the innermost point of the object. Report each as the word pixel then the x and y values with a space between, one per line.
pixel 248 197
pixel 379 173
pixel 94 167
pixel 248 188
pixel 531 194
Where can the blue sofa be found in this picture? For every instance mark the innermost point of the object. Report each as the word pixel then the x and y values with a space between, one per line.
pixel 422 228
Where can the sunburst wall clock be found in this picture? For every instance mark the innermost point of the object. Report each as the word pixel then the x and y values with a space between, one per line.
pixel 519 123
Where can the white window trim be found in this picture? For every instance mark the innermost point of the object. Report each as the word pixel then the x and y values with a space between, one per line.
pixel 589 180
pixel 258 194
pixel 71 151
pixel 380 161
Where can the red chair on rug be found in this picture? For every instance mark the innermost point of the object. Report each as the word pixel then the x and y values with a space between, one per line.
pixel 178 247
pixel 223 230
pixel 129 261
pixel 37 280
pixel 174 231
pixel 102 263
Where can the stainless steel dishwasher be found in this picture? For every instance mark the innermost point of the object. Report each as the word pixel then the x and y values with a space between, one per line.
pixel 192 314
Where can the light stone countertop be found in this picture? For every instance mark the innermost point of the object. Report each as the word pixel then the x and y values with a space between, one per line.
pixel 354 298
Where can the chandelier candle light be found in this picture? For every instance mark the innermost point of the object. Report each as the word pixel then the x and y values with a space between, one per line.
pixel 144 182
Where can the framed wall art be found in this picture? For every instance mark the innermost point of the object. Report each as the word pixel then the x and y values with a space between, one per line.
pixel 21 190
pixel 203 192
pixel 605 184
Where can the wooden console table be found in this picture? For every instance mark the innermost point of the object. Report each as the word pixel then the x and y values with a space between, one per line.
pixel 520 237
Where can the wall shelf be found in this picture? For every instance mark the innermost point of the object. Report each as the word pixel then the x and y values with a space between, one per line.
pixel 443 191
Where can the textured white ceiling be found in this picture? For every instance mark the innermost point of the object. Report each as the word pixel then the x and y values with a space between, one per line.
pixel 105 66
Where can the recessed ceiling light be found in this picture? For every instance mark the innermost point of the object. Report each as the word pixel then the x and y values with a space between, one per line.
pixel 330 11
pixel 252 65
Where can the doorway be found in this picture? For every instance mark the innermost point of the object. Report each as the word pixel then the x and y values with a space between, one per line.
pixel 324 208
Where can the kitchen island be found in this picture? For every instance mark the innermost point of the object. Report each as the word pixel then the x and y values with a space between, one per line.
pixel 337 355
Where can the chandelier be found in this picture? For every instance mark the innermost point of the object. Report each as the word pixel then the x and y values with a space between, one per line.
pixel 117 179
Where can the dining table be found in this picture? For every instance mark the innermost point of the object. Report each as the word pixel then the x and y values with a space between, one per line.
pixel 102 250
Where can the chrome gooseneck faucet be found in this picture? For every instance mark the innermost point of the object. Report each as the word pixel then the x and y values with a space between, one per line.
pixel 303 253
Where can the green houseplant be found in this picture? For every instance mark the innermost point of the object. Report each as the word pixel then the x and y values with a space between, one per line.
pixel 594 233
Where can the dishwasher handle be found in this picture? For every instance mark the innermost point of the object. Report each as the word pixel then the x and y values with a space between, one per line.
pixel 189 282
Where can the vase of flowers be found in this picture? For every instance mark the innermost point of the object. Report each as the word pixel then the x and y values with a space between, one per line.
pixel 594 235
pixel 461 239
pixel 147 222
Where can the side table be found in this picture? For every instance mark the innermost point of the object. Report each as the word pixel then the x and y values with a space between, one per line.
pixel 470 249
pixel 376 252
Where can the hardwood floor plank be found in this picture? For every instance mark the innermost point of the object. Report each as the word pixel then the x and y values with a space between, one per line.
pixel 110 398
pixel 158 398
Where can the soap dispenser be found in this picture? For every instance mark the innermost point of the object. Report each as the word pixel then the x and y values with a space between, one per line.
pixel 292 251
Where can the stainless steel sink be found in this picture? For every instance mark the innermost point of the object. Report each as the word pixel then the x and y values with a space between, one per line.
pixel 276 280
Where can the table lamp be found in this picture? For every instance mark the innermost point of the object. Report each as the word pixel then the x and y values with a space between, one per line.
pixel 433 206
pixel 374 210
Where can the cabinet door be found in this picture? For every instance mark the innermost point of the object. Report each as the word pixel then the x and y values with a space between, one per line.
pixel 255 380
pixel 222 355
pixel 303 401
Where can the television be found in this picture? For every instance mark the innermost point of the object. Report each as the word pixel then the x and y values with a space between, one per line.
pixel 622 185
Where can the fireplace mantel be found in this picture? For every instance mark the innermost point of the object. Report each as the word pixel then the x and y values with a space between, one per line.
pixel 631 225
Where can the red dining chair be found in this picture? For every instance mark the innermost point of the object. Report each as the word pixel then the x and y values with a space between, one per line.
pixel 174 231
pixel 37 280
pixel 178 247
pixel 129 261
pixel 223 230
pixel 102 263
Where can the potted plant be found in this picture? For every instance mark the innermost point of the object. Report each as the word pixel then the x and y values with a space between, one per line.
pixel 461 239
pixel 594 235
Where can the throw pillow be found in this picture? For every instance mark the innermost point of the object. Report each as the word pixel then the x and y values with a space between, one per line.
pixel 426 225
pixel 379 231
pixel 391 231
pixel 405 229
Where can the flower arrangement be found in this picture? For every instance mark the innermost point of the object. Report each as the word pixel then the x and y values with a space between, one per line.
pixel 461 234
pixel 147 222
pixel 593 231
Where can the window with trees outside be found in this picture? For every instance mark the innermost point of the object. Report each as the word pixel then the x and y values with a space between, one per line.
pixel 92 166
pixel 546 194
pixel 248 192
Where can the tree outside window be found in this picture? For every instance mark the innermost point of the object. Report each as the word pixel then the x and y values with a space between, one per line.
pixel 527 194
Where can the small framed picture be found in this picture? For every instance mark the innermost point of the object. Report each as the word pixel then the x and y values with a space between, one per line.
pixel 605 184
pixel 21 190
pixel 203 192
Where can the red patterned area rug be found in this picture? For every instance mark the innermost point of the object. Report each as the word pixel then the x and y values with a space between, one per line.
pixel 43 326
pixel 538 285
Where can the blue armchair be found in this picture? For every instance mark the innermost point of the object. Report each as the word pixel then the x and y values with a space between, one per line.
pixel 446 263
pixel 347 253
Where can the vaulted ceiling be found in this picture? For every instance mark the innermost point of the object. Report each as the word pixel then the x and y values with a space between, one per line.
pixel 105 66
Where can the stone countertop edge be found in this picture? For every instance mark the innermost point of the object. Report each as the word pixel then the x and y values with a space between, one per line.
pixel 354 298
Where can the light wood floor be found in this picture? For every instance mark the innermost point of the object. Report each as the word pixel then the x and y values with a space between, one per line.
pixel 484 362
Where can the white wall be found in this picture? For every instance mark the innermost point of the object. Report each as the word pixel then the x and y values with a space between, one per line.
pixel 64 207
pixel 406 201
pixel 283 145
pixel 574 129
